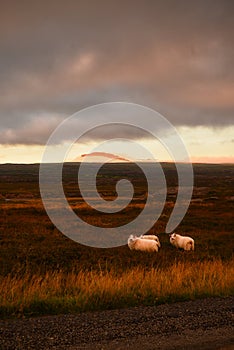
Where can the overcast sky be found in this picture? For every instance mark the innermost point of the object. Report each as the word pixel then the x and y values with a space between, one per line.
pixel 57 57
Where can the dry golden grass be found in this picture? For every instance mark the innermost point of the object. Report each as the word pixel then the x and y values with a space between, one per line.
pixel 60 292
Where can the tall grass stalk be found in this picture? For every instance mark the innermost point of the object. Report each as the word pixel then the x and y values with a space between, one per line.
pixel 61 292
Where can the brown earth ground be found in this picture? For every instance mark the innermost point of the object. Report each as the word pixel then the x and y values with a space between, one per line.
pixel 200 324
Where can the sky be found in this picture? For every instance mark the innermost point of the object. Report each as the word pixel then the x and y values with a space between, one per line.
pixel 58 57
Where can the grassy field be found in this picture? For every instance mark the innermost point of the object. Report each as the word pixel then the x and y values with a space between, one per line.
pixel 64 292
pixel 43 272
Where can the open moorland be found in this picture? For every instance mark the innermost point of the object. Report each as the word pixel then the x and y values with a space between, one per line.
pixel 44 272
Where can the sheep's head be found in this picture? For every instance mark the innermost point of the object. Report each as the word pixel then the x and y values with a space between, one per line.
pixel 131 238
pixel 173 236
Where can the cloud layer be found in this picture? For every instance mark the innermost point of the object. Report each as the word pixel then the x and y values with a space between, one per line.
pixel 58 57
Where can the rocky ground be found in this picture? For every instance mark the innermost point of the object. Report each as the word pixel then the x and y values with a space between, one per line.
pixel 200 324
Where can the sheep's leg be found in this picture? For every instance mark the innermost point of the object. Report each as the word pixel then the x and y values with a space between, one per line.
pixel 189 245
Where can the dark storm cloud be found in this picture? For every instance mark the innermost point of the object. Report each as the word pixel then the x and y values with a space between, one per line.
pixel 57 57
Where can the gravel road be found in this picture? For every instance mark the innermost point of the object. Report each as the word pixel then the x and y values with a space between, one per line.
pixel 200 324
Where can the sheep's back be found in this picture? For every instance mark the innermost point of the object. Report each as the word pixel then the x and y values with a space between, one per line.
pixel 146 245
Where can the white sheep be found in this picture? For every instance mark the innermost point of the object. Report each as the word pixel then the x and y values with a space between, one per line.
pixel 184 242
pixel 145 245
pixel 152 237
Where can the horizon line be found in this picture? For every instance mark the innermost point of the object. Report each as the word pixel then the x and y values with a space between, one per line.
pixel 130 161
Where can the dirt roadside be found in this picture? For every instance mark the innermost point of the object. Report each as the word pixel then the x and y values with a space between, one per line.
pixel 200 324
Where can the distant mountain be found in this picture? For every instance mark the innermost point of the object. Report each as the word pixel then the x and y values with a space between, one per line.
pixel 101 157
